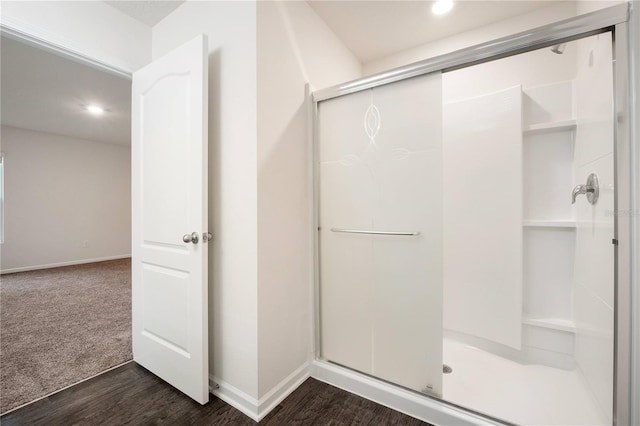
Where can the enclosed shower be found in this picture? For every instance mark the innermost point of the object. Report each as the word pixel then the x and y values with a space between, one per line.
pixel 466 220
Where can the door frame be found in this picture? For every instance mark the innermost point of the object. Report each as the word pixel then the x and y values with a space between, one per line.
pixel 626 198
pixel 32 36
pixel 42 39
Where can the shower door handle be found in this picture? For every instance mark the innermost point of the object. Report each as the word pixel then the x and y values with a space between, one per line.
pixel 359 231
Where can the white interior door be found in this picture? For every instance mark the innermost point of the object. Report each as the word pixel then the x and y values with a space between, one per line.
pixel 169 201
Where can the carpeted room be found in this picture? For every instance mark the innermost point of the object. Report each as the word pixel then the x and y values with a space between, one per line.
pixel 62 325
pixel 65 288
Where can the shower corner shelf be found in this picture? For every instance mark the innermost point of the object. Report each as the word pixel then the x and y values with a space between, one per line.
pixel 568 224
pixel 553 126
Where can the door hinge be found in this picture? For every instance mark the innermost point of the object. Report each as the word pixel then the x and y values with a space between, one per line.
pixel 614 241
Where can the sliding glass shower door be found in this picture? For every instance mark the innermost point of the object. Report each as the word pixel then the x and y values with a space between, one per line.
pixel 380 196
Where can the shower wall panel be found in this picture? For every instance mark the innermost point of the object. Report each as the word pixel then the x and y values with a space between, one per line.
pixel 483 216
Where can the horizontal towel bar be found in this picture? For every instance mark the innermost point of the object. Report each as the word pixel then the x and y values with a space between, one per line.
pixel 358 231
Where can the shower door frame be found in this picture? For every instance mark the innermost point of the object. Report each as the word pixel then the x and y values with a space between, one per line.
pixel 614 19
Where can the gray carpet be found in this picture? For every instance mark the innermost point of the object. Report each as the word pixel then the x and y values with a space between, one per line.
pixel 62 325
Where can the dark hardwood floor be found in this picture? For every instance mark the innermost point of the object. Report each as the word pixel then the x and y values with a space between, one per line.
pixel 130 395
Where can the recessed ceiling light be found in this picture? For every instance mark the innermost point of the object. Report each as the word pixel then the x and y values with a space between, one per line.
pixel 441 7
pixel 95 109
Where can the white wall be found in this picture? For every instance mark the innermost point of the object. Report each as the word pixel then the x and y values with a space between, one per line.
pixel 233 306
pixel 260 199
pixel 62 194
pixel 91 28
pixel 294 47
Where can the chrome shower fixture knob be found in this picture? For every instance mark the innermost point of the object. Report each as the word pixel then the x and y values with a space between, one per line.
pixel 591 189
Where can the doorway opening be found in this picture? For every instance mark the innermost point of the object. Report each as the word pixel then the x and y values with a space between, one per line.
pixel 66 271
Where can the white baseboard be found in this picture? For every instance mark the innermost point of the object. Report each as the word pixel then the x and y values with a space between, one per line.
pixel 407 402
pixel 57 265
pixel 252 407
pixel 233 396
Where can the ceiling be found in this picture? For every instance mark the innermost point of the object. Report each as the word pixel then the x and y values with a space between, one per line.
pixel 145 11
pixel 375 29
pixel 48 93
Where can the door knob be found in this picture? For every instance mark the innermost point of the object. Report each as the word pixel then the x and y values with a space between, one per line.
pixel 191 238
pixel 206 237
pixel 591 189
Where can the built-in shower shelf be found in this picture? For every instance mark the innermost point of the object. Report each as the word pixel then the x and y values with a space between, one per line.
pixel 552 323
pixel 549 224
pixel 554 126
